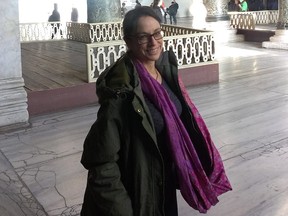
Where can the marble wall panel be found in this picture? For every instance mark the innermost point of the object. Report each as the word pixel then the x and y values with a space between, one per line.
pixel 283 14
pixel 10 53
pixel 13 97
pixel 103 11
pixel 216 9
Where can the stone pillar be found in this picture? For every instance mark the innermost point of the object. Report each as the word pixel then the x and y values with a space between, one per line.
pixel 13 97
pixel 280 39
pixel 216 10
pixel 199 14
pixel 283 14
pixel 103 11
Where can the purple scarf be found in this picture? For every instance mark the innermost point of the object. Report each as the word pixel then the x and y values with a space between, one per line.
pixel 199 190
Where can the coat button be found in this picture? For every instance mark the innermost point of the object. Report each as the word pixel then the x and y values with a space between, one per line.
pixel 138 110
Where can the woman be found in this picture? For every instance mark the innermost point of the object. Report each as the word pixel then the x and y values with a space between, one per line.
pixel 243 5
pixel 133 150
pixel 158 9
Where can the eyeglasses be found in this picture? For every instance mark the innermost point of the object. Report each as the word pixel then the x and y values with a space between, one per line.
pixel 145 38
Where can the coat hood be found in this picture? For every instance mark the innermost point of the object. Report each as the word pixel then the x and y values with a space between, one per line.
pixel 121 77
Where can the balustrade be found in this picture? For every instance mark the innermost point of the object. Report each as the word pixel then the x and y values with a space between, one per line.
pixel 94 32
pixel 249 20
pixel 104 44
pixel 189 49
pixel 191 46
pixel 42 31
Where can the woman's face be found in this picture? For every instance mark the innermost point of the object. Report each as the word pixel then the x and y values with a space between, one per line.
pixel 143 44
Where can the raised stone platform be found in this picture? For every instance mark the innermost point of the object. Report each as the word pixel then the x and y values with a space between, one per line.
pixel 53 100
pixel 278 41
pixel 256 35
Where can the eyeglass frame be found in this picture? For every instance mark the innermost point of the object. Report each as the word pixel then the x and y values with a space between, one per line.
pixel 148 36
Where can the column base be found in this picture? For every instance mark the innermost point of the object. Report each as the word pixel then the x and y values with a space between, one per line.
pixel 14 127
pixel 278 41
pixel 13 104
pixel 275 45
pixel 280 36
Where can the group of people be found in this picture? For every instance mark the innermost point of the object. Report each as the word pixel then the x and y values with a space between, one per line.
pixel 238 5
pixel 148 140
pixel 159 7
pixel 243 5
pixel 124 9
pixel 55 17
pixel 251 5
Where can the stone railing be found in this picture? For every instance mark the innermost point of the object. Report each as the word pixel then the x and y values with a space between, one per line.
pixel 242 20
pixel 78 32
pixel 99 32
pixel 42 31
pixel 266 17
pixel 101 55
pixel 171 30
pixel 111 31
pixel 249 19
pixel 190 49
pixel 104 44
pixel 94 32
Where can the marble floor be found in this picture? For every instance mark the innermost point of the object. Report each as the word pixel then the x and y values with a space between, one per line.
pixel 246 112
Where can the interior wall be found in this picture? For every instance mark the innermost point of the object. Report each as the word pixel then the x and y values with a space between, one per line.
pixel 31 11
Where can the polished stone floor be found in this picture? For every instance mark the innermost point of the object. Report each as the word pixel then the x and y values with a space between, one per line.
pixel 246 112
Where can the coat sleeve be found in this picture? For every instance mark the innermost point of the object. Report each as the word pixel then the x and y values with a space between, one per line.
pixel 105 190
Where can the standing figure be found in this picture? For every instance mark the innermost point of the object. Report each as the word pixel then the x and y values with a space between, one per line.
pixel 74 15
pixel 232 5
pixel 138 4
pixel 55 17
pixel 164 9
pixel 148 139
pixel 157 7
pixel 172 11
pixel 123 9
pixel 243 5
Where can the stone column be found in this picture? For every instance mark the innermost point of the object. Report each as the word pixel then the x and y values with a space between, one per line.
pixel 199 14
pixel 216 10
pixel 103 11
pixel 13 97
pixel 280 39
pixel 216 14
pixel 283 14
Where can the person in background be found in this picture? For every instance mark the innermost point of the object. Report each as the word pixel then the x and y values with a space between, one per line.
pixel 123 10
pixel 74 15
pixel 164 12
pixel 138 4
pixel 157 7
pixel 172 11
pixel 146 126
pixel 55 17
pixel 232 6
pixel 243 5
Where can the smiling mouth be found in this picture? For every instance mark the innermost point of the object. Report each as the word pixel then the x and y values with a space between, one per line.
pixel 153 51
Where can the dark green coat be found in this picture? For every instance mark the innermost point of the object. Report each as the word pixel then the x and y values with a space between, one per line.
pixel 126 172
